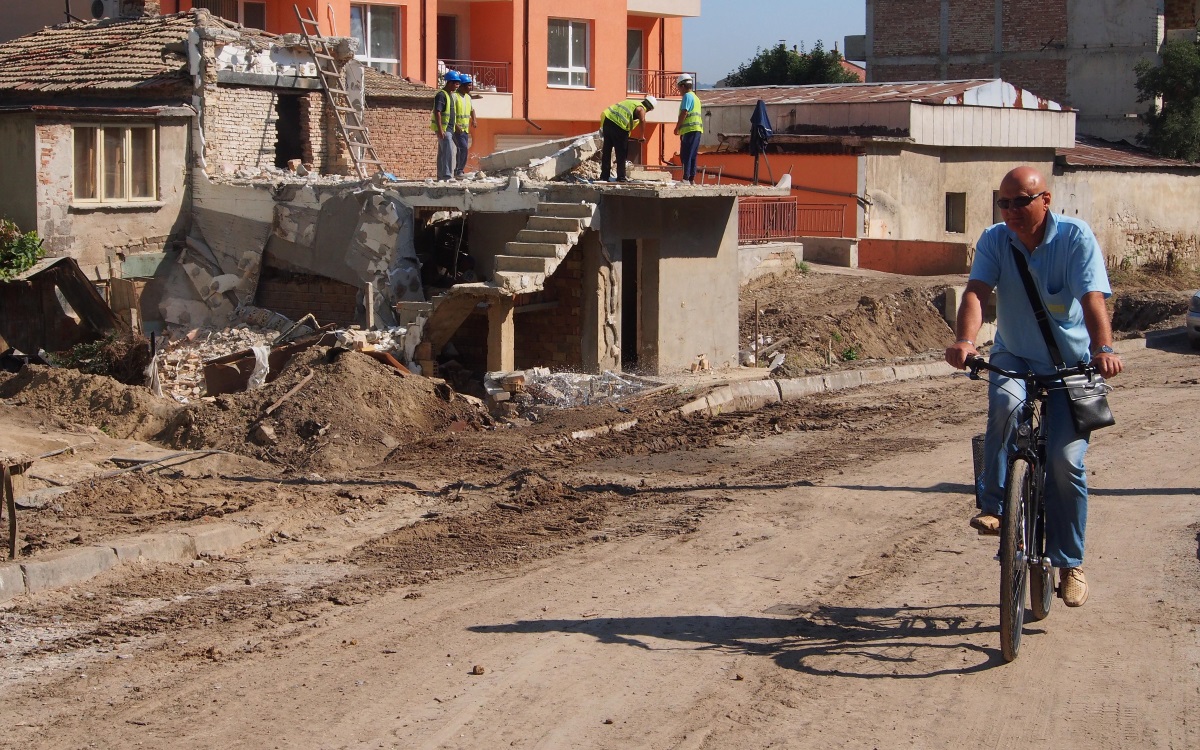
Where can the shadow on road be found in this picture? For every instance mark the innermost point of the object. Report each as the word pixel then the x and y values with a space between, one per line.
pixel 887 642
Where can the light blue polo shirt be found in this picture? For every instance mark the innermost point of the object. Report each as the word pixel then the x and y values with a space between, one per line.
pixel 1067 265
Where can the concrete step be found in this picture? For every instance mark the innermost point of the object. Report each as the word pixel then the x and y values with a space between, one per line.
pixel 546 236
pixel 555 223
pixel 517 282
pixel 537 249
pixel 575 210
pixel 524 264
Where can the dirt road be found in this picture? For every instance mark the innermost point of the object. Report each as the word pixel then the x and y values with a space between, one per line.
pixel 803 578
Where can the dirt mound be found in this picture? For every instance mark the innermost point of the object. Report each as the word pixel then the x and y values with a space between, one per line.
pixel 352 413
pixel 1149 310
pixel 846 320
pixel 121 411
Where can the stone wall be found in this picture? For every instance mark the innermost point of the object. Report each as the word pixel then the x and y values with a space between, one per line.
pixel 400 133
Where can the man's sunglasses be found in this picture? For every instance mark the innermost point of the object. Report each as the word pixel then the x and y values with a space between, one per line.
pixel 1021 201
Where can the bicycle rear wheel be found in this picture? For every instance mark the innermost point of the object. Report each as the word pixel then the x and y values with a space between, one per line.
pixel 1014 562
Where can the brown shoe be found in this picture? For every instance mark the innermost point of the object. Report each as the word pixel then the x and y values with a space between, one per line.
pixel 1072 587
pixel 986 524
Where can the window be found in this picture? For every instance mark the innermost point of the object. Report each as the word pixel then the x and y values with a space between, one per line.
pixel 447 37
pixel 115 164
pixel 249 13
pixel 956 212
pixel 377 29
pixel 567 63
pixel 634 45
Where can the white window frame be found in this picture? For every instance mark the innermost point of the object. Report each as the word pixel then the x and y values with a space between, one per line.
pixel 98 167
pixel 391 65
pixel 577 61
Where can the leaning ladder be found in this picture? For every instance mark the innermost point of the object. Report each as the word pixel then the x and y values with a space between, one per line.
pixel 349 119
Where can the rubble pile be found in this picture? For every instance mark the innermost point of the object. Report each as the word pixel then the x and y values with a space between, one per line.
pixel 181 362
pixel 524 393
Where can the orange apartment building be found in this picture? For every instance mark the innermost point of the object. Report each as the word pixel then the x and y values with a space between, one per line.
pixel 546 69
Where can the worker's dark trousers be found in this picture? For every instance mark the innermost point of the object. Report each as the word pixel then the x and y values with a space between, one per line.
pixel 689 150
pixel 462 142
pixel 615 138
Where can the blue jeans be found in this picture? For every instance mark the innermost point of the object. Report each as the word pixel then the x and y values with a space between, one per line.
pixel 1066 479
pixel 689 149
pixel 461 143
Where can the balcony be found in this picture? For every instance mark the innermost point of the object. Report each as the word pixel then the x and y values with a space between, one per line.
pixel 763 220
pixel 660 83
pixel 489 76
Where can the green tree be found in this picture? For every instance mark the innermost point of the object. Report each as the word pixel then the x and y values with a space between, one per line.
pixel 18 250
pixel 1174 129
pixel 779 65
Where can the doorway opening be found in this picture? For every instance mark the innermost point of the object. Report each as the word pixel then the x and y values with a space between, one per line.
pixel 289 135
pixel 630 307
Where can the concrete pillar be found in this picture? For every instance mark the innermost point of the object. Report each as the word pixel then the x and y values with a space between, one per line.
pixel 501 345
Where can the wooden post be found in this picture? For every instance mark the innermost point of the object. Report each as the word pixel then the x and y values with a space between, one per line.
pixel 756 333
pixel 501 343
pixel 10 501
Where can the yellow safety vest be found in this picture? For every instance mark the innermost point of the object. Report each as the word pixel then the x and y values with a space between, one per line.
pixel 693 123
pixel 621 114
pixel 463 112
pixel 446 115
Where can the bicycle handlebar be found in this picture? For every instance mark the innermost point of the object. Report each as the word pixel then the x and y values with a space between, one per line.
pixel 975 364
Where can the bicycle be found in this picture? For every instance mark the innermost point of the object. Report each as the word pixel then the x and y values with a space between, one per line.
pixel 1022 542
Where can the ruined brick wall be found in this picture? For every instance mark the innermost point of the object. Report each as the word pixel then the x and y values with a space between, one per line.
pixel 553 337
pixel 239 129
pixel 400 133
pixel 324 148
pixel 295 295
pixel 1181 14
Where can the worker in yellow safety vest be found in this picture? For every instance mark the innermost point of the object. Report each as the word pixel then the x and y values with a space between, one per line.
pixel 616 125
pixel 464 123
pixel 689 127
pixel 442 124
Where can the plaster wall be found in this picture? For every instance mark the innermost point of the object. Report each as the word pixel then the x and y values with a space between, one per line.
pixel 689 276
pixel 94 234
pixel 907 188
pixel 18 201
pixel 1138 217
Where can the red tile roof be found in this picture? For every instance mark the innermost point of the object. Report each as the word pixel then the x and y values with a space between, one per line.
pixel 385 85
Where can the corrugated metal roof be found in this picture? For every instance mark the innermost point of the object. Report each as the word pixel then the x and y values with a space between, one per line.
pixel 1094 152
pixel 985 92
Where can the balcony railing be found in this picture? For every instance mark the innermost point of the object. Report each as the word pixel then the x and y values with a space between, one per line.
pixel 660 83
pixel 489 76
pixel 775 219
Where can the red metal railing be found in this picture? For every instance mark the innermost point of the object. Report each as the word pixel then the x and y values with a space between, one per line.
pixel 775 219
pixel 489 76
pixel 660 83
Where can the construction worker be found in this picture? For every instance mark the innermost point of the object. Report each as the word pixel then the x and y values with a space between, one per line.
pixel 689 127
pixel 464 123
pixel 617 125
pixel 442 124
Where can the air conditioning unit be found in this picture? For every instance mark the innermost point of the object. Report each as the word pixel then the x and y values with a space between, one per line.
pixel 106 8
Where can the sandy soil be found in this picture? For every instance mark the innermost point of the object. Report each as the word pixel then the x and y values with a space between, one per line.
pixel 801 576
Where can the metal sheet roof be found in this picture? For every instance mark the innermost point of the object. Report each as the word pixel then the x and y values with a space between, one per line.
pixel 982 92
pixel 1094 152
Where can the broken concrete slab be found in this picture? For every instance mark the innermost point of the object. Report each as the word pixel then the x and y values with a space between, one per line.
pixel 12 581
pixel 216 539
pixel 156 547
pixel 544 161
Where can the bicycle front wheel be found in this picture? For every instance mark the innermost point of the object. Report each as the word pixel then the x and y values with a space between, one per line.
pixel 1014 560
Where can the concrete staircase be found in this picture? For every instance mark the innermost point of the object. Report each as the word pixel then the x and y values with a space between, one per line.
pixel 548 236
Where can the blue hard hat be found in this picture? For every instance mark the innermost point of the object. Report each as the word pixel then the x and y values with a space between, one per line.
pixel 453 76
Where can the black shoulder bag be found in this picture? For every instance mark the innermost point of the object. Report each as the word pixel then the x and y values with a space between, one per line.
pixel 1087 394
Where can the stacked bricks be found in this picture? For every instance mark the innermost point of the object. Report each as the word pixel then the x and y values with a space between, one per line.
pixel 972 28
pixel 240 128
pixel 553 337
pixel 401 136
pixel 295 295
pixel 906 27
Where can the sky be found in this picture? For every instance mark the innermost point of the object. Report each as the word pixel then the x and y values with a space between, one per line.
pixel 728 32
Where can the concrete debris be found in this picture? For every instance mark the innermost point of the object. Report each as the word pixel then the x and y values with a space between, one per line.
pixel 539 387
pixel 543 161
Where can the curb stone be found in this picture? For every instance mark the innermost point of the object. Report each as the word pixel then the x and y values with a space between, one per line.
pixel 77 565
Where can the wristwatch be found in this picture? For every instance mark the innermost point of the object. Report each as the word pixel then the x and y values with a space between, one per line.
pixel 1106 349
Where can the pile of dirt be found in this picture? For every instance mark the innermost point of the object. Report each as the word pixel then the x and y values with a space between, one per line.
pixel 121 411
pixel 1149 310
pixel 835 320
pixel 352 413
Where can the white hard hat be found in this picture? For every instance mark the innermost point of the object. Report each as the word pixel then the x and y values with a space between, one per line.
pixel 650 102
pixel 683 78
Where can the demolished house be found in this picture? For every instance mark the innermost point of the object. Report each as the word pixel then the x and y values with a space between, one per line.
pixel 203 161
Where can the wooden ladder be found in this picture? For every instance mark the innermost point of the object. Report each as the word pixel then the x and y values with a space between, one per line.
pixel 349 119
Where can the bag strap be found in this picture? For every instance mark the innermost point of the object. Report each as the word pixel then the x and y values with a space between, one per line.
pixel 1035 300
